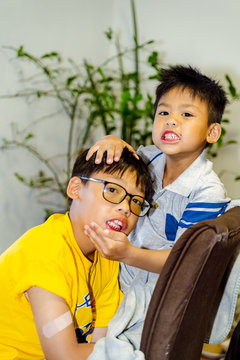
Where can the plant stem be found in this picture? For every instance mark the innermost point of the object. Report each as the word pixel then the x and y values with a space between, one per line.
pixel 70 137
pixel 32 150
pixel 124 86
pixel 136 54
pixel 98 100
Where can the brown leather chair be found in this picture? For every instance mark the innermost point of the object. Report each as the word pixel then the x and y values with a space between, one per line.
pixel 189 289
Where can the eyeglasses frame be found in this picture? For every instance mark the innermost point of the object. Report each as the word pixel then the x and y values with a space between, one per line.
pixel 105 182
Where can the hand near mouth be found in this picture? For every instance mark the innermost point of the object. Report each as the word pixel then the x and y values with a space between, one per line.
pixel 115 245
pixel 111 244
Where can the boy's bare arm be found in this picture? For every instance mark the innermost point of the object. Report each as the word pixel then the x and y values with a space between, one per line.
pixel 114 146
pixel 55 327
pixel 116 246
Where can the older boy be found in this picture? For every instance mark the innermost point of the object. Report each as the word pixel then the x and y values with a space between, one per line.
pixel 53 282
pixel 188 112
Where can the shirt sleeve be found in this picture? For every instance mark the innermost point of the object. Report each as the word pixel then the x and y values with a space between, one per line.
pixel 207 203
pixel 42 266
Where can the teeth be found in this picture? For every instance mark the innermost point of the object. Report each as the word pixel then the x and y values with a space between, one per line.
pixel 116 224
pixel 170 136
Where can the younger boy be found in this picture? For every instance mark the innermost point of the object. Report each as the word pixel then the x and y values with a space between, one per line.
pixel 188 111
pixel 53 282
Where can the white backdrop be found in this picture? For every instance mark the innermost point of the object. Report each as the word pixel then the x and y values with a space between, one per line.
pixel 204 34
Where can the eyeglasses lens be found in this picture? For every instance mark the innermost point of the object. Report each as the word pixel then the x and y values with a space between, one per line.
pixel 115 194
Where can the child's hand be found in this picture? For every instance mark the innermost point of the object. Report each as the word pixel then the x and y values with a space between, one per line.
pixel 111 244
pixel 114 146
pixel 115 245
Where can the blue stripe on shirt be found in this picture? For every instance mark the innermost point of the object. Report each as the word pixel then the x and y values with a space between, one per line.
pixel 154 158
pixel 205 205
pixel 190 217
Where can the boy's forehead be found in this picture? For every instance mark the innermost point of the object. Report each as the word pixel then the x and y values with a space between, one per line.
pixel 184 90
pixel 127 178
pixel 115 174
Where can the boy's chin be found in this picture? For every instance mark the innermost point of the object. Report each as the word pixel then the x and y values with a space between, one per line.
pixel 157 144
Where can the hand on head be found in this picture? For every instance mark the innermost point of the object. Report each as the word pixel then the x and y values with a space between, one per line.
pixel 114 146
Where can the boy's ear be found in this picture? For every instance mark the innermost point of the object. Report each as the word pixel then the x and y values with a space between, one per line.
pixel 74 187
pixel 214 132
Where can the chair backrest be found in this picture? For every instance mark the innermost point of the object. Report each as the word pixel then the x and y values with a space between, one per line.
pixel 189 289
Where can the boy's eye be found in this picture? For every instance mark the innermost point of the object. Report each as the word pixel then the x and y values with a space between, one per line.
pixel 186 114
pixel 137 201
pixel 111 189
pixel 163 113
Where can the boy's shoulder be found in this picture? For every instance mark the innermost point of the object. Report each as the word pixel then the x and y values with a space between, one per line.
pixel 54 223
pixel 148 153
pixel 49 235
pixel 206 183
pixel 199 182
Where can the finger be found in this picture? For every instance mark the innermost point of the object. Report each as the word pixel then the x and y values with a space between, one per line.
pixel 118 149
pixel 87 230
pixel 106 235
pixel 95 227
pixel 110 153
pixel 94 239
pixel 133 151
pixel 91 151
pixel 91 232
pixel 99 148
pixel 118 152
pixel 104 240
pixel 98 235
pixel 99 155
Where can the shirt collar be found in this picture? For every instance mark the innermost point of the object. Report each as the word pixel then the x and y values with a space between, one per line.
pixel 185 183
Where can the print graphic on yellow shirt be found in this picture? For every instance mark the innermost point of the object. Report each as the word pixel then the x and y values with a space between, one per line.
pixel 83 331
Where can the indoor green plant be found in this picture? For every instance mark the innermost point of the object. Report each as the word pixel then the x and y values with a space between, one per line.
pixel 106 96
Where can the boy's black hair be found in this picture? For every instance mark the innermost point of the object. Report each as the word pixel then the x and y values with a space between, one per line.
pixel 187 77
pixel 127 162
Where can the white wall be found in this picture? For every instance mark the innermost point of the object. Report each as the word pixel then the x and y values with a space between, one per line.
pixel 75 29
pixel 204 34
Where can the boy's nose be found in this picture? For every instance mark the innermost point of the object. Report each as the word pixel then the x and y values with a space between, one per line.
pixel 124 206
pixel 171 121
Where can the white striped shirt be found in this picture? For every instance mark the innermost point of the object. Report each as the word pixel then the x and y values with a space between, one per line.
pixel 196 195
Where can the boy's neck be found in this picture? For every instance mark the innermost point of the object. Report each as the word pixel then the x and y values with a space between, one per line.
pixel 84 246
pixel 81 239
pixel 169 176
pixel 88 253
pixel 174 168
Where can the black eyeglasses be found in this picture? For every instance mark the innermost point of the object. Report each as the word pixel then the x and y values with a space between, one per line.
pixel 115 194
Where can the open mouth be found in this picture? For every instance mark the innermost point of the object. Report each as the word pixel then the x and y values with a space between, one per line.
pixel 116 225
pixel 170 135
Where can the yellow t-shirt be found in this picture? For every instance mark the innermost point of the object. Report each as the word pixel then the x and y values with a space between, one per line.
pixel 48 256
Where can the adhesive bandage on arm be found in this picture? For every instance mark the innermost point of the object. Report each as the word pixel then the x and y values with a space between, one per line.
pixel 55 326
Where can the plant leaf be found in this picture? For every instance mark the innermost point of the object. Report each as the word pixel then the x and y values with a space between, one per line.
pixel 19 177
pixel 231 87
